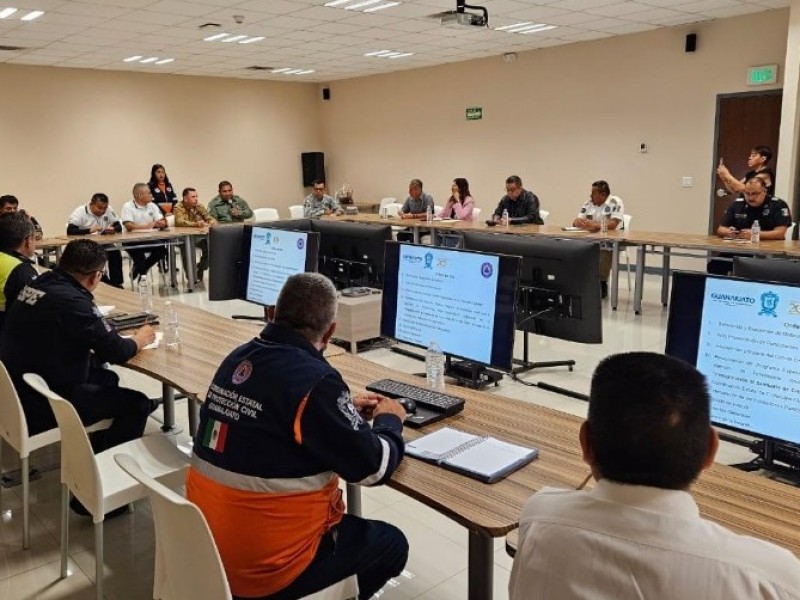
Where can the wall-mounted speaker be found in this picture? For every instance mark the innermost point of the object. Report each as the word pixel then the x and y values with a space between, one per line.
pixel 313 167
pixel 691 42
pixel 326 93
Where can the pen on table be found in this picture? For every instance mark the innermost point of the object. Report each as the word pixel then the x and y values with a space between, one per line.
pixel 584 482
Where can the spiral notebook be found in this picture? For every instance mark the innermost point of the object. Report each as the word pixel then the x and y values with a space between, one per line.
pixel 480 457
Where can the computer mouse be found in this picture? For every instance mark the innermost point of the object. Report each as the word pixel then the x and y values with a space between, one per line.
pixel 491 223
pixel 408 404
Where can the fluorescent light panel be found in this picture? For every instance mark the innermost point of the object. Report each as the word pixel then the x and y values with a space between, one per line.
pixel 362 4
pixel 217 36
pixel 133 58
pixel 149 60
pixel 253 39
pixel 291 71
pixel 164 61
pixel 388 54
pixel 34 14
pixel 7 12
pixel 230 37
pixel 140 58
pixel 380 7
pixel 525 27
pixel 366 6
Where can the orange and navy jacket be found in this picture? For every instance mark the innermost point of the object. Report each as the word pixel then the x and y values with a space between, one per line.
pixel 277 430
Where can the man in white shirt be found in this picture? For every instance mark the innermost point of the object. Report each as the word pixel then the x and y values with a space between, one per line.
pixel 142 213
pixel 638 534
pixel 601 206
pixel 98 217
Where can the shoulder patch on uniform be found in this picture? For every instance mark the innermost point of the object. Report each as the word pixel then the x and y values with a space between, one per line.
pixel 242 372
pixel 348 409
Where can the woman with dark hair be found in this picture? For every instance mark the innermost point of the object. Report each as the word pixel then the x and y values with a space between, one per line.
pixel 161 188
pixel 460 204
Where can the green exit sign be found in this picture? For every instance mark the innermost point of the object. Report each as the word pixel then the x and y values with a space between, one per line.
pixel 763 75
pixel 474 113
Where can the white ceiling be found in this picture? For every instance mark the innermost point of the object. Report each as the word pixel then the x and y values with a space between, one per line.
pixel 304 34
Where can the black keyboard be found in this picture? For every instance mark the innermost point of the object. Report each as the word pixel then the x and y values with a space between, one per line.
pixel 132 320
pixel 425 398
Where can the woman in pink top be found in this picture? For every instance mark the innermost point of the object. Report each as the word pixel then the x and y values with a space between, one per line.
pixel 460 204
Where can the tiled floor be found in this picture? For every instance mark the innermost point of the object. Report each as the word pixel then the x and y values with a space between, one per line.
pixel 437 566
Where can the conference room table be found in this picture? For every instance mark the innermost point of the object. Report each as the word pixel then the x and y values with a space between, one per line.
pixel 183 237
pixel 741 501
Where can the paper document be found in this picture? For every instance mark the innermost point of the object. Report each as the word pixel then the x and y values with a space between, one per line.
pixel 152 345
pixel 105 310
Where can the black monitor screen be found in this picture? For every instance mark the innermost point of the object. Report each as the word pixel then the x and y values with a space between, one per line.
pixel 559 284
pixel 767 269
pixel 270 256
pixel 462 300
pixel 351 254
pixel 744 336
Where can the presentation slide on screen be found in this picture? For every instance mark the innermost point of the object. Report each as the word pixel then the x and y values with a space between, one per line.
pixel 449 297
pixel 749 349
pixel 274 256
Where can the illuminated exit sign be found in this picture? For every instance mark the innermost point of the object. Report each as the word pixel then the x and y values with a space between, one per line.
pixel 763 75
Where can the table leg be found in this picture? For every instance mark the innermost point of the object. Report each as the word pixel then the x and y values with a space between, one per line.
pixel 480 571
pixel 614 274
pixel 168 394
pixel 416 234
pixel 665 277
pixel 638 290
pixel 354 499
pixel 188 249
pixel 194 414
pixel 173 266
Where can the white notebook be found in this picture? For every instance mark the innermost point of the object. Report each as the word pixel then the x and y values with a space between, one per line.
pixel 481 457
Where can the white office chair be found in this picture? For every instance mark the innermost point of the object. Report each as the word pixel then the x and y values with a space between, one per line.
pixel 393 209
pixel 187 562
pixel 14 430
pixel 170 221
pixel 96 480
pixel 476 213
pixel 544 214
pixel 388 200
pixel 789 231
pixel 296 211
pixel 266 214
pixel 626 226
pixel 437 208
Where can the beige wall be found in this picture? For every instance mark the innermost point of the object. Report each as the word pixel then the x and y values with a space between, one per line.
pixel 67 133
pixel 558 117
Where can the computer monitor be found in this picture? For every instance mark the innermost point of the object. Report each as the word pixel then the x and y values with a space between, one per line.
pixel 559 292
pixel 270 256
pixel 351 254
pixel 767 269
pixel 462 300
pixel 744 336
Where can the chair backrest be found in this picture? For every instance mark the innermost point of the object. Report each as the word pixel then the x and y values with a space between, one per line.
pixel 188 564
pixel 296 211
pixel 13 427
pixel 388 200
pixel 437 209
pixel 393 209
pixel 78 467
pixel 476 213
pixel 266 214
pixel 544 214
pixel 626 222
pixel 789 231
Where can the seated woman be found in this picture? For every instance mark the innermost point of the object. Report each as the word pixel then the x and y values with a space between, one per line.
pixel 161 188
pixel 459 206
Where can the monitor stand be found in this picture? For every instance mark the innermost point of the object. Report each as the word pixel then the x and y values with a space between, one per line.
pixel 471 374
pixel 526 365
pixel 770 451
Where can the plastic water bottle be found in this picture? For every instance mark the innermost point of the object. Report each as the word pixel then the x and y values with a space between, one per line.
pixel 434 367
pixel 604 223
pixel 171 336
pixel 504 220
pixel 755 233
pixel 145 294
pixel 429 214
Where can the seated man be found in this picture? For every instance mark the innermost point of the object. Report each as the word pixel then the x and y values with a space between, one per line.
pixel 142 213
pixel 772 214
pixel 227 207
pixel 98 217
pixel 17 258
pixel 638 533
pixel 9 203
pixel 601 205
pixel 188 213
pixel 416 206
pixel 266 467
pixel 318 203
pixel 521 204
pixel 55 330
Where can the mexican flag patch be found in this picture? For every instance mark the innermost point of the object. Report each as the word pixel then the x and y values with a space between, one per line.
pixel 214 436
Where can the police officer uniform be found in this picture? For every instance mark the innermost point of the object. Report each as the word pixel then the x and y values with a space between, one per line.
pixel 54 329
pixel 16 271
pixel 277 430
pixel 612 208
pixel 82 220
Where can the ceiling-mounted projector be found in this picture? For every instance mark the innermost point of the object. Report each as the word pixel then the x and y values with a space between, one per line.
pixel 463 19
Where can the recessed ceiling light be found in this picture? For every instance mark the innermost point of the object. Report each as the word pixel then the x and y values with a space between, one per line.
pixel 253 39
pixel 234 38
pixel 7 12
pixel 212 38
pixel 283 70
pixel 525 27
pixel 362 5
pixel 133 58
pixel 291 71
pixel 388 54
pixel 139 58
pixel 152 59
pixel 164 61
pixel 34 14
